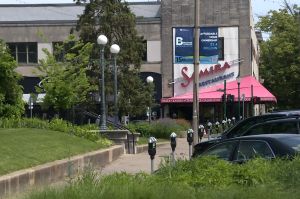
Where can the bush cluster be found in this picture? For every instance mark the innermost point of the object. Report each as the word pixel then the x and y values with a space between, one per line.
pixel 55 125
pixel 160 128
pixel 208 178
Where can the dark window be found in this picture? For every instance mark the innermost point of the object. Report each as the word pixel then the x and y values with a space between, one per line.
pixel 259 129
pixel 13 50
pixel 240 128
pixel 284 127
pixel 223 151
pixel 252 149
pixel 221 48
pixel 273 128
pixel 144 56
pixel 32 52
pixel 24 52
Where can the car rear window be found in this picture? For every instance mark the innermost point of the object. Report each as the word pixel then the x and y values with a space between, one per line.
pixel 243 125
pixel 274 127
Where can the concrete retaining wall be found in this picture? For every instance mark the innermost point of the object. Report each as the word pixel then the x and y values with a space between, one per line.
pixel 56 171
pixel 143 148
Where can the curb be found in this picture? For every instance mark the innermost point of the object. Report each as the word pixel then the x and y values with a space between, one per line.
pixel 58 170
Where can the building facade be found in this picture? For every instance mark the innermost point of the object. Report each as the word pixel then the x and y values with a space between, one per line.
pixel 27 29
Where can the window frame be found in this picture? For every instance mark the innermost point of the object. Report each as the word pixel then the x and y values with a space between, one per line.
pixel 235 155
pixel 270 125
pixel 17 45
pixel 235 144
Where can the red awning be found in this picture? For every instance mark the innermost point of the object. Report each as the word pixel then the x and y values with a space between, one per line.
pixel 214 94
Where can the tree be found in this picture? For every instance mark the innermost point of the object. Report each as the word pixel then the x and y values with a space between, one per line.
pixel 11 103
pixel 114 19
pixel 136 99
pixel 280 55
pixel 66 83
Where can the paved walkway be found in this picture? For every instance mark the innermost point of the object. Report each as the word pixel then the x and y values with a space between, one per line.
pixel 134 163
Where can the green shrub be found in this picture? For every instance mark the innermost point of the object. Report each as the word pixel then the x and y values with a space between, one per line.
pixel 55 125
pixel 207 178
pixel 184 124
pixel 161 128
pixel 199 172
pixel 246 174
pixel 144 128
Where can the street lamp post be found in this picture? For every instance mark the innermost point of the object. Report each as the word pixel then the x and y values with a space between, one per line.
pixel 196 71
pixel 30 105
pixel 224 103
pixel 115 49
pixel 239 97
pixel 243 111
pixel 149 80
pixel 102 41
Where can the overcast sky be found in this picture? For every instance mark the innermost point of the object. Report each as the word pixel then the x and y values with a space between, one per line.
pixel 260 7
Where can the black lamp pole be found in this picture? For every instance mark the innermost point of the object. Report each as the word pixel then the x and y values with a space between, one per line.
pixel 239 98
pixel 102 40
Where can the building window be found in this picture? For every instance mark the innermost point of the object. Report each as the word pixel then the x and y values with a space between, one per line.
pixel 24 53
pixel 144 56
pixel 221 48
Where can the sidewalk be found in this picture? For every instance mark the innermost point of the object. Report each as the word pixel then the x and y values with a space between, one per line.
pixel 134 163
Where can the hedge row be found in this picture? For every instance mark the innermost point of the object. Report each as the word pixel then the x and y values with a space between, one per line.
pixel 160 128
pixel 55 125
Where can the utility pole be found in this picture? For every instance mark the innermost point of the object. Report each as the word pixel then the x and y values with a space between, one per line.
pixel 252 102
pixel 225 102
pixel 196 72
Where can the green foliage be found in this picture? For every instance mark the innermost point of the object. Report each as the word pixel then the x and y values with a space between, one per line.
pixel 11 103
pixel 280 55
pixel 208 178
pixel 135 96
pixel 66 83
pixel 114 19
pixel 141 127
pixel 160 128
pixel 247 176
pixel 55 125
pixel 183 123
pixel 204 172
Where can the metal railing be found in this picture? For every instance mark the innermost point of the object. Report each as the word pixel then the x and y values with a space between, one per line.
pixel 115 125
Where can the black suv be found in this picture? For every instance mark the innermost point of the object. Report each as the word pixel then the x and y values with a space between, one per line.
pixel 283 121
pixel 285 125
pixel 241 127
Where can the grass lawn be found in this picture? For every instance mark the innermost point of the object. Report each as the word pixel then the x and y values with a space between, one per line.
pixel 24 148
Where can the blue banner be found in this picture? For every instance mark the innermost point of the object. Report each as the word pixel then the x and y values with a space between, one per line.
pixel 183 45
pixel 209 45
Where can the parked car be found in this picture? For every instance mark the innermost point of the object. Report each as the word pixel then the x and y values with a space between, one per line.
pixel 285 125
pixel 241 149
pixel 245 124
pixel 244 127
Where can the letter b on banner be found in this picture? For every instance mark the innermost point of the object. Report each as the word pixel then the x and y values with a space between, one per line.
pixel 179 41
